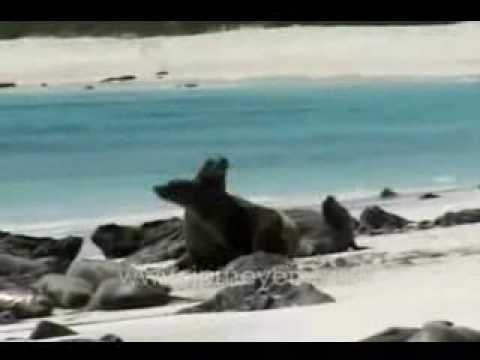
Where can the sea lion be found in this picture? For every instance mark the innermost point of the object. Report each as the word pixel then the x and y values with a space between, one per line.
pixel 220 227
pixel 115 294
pixel 25 303
pixel 65 291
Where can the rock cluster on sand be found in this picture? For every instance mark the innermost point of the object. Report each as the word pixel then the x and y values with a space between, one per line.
pixel 260 296
pixel 459 218
pixel 439 331
pixel 23 261
pixel 374 220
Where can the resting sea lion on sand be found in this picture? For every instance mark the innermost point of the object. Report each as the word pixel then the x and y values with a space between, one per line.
pixel 220 227
pixel 324 232
pixel 25 303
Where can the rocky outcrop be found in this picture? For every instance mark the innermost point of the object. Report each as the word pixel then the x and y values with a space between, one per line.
pixel 152 242
pixel 374 220
pixel 259 296
pixel 459 218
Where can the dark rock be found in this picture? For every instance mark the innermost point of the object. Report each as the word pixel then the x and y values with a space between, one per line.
pixel 49 330
pixel 44 85
pixel 388 194
pixel 260 296
pixel 89 87
pixel 8 318
pixel 25 303
pixel 162 74
pixel 119 79
pixel 150 243
pixel 459 218
pixel 374 219
pixel 117 241
pixel 95 271
pixel 63 250
pixel 7 85
pixel 439 331
pixel 115 294
pixel 429 196
pixel 393 335
pixel 66 292
pixel 190 85
pixel 111 339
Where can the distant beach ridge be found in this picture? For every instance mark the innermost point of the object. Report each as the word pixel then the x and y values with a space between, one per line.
pixel 248 53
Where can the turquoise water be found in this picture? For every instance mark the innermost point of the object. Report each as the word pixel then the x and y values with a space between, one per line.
pixel 75 154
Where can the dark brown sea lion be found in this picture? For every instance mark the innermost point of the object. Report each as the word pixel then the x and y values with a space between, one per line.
pixel 220 228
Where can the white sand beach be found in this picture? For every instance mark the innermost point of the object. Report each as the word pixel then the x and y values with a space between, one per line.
pixel 403 280
pixel 250 53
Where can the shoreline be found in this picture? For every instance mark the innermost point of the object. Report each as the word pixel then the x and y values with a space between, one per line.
pixel 250 53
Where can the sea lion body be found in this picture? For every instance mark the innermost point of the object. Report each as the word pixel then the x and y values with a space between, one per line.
pixel 65 291
pixel 228 227
pixel 25 303
pixel 220 227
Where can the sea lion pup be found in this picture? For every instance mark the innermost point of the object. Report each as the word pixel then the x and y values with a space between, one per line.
pixel 220 227
pixel 328 231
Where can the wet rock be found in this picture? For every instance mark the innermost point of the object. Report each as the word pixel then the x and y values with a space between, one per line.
pixel 49 330
pixel 260 296
pixel 89 87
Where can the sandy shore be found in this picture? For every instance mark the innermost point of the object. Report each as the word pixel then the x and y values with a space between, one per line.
pixel 298 52
pixel 403 280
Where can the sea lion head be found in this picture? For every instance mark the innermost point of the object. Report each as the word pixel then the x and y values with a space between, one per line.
pixel 213 173
pixel 180 192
